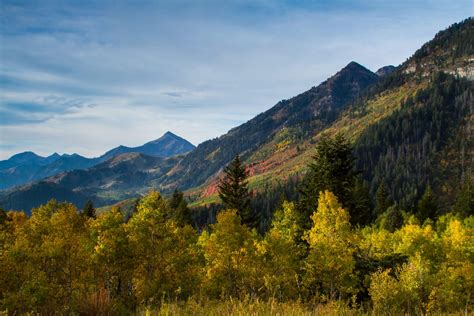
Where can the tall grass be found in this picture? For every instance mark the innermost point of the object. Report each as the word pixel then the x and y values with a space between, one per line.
pixel 249 307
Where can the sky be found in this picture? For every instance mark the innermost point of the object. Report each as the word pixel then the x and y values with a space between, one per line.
pixel 86 76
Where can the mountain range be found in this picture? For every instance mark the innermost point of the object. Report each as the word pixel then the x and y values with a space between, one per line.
pixel 409 125
pixel 27 166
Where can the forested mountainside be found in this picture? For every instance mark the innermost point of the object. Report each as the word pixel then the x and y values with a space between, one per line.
pixel 26 167
pixel 410 128
pixel 426 141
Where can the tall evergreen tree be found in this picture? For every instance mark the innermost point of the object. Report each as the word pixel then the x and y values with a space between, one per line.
pixel 332 169
pixel 3 216
pixel 89 210
pixel 234 193
pixel 180 212
pixel 391 219
pixel 362 206
pixel 464 204
pixel 427 206
pixel 382 200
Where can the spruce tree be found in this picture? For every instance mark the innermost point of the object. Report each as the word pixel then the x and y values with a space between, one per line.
pixel 427 206
pixel 89 210
pixel 180 212
pixel 3 216
pixel 361 212
pixel 332 169
pixel 464 203
pixel 382 200
pixel 392 219
pixel 234 193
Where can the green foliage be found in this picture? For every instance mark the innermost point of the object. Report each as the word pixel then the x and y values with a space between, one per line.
pixel 333 169
pixel 234 193
pixel 427 206
pixel 89 210
pixel 382 200
pixel 362 205
pixel 180 212
pixel 464 204
pixel 407 148
pixel 391 219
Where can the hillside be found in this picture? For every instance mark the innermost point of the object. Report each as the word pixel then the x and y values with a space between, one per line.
pixel 418 117
pixel 301 116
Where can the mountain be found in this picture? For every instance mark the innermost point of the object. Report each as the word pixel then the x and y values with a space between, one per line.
pixel 410 128
pixel 166 146
pixel 28 166
pixel 27 158
pixel 300 117
pixel 385 70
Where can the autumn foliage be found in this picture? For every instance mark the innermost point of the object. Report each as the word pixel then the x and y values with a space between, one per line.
pixel 59 261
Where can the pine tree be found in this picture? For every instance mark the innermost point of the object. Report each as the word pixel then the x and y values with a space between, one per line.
pixel 234 193
pixel 427 206
pixel 464 204
pixel 392 219
pixel 89 210
pixel 332 169
pixel 180 212
pixel 361 212
pixel 382 200
pixel 3 216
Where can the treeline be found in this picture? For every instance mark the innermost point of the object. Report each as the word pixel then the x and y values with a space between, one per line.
pixel 328 247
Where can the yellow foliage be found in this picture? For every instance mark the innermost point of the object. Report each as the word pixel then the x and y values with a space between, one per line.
pixel 330 261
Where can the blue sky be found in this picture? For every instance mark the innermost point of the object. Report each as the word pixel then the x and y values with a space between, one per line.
pixel 86 76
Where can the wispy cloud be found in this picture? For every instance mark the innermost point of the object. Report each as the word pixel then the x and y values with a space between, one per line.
pixel 86 76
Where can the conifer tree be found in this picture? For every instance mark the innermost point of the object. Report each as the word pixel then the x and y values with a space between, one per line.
pixel 427 206
pixel 89 210
pixel 391 219
pixel 464 203
pixel 382 200
pixel 361 212
pixel 3 216
pixel 234 193
pixel 179 208
pixel 332 169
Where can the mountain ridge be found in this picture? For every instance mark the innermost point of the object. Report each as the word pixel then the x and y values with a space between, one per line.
pixel 25 167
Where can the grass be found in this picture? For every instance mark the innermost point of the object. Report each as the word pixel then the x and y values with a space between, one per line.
pixel 251 307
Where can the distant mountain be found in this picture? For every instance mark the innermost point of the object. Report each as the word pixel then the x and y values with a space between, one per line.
pixel 27 158
pixel 28 166
pixel 166 146
pixel 122 176
pixel 385 70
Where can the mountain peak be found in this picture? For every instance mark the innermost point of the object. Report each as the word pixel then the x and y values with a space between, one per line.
pixel 26 156
pixel 385 70
pixel 168 133
pixel 354 66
